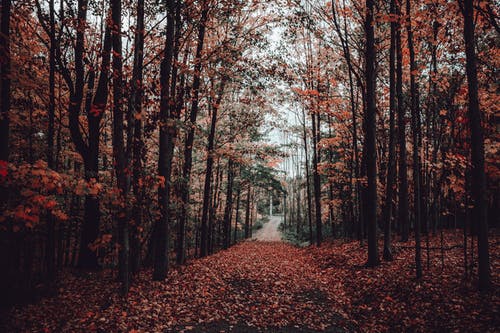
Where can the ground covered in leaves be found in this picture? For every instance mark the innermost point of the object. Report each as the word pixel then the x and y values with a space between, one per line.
pixel 275 287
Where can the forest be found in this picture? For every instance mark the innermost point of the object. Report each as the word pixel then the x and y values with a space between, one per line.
pixel 249 166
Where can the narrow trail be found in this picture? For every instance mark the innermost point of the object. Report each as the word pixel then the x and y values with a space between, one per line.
pixel 270 232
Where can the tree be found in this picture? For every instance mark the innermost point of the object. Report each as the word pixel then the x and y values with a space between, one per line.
pixel 191 125
pixel 165 155
pixel 135 107
pixel 5 82
pixel 478 177
pixel 208 174
pixel 316 176
pixel 228 210
pixel 370 121
pixel 119 145
pixel 391 168
pixel 415 128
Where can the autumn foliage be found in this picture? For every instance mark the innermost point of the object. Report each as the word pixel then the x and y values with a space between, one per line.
pixel 142 143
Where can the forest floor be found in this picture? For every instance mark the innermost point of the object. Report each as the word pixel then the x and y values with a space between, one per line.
pixel 275 287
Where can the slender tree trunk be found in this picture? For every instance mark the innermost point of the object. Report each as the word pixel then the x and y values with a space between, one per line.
pixel 9 249
pixel 4 81
pixel 52 93
pixel 167 142
pixel 51 240
pixel 237 217
pixel 347 55
pixel 138 143
pixel 208 175
pixel 316 177
pixel 371 155
pixel 212 218
pixel 188 145
pixel 478 176
pixel 119 146
pixel 229 205
pixel 308 186
pixel 403 172
pixel 247 214
pixel 415 124
pixel 391 168
pixel 87 258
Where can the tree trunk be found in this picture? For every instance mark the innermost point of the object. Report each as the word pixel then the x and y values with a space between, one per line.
pixel 308 186
pixel 51 241
pixel 208 175
pixel 247 214
pixel 370 121
pixel 403 172
pixel 4 81
pixel 391 167
pixel 316 177
pixel 188 145
pixel 415 125
pixel 478 176
pixel 138 143
pixel 237 217
pixel 229 205
pixel 167 142
pixel 118 146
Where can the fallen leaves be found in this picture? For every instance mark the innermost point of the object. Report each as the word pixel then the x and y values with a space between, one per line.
pixel 275 285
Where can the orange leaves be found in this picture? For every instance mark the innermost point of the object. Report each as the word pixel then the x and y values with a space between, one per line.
pixel 101 242
pixel 3 169
pixel 92 187
pixel 276 286
pixel 50 204
pixel 161 181
pixel 26 215
pixel 37 191
pixel 305 92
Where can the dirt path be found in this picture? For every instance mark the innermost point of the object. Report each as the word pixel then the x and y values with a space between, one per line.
pixel 270 232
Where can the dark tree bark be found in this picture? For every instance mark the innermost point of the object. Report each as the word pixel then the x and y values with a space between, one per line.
pixel 188 144
pixel 4 80
pixel 175 111
pixel 478 176
pixel 391 167
pixel 212 218
pixel 308 186
pixel 52 93
pixel 247 214
pixel 237 217
pixel 347 55
pixel 87 258
pixel 415 125
pixel 370 121
pixel 403 172
pixel 229 205
pixel 138 143
pixel 316 177
pixel 51 241
pixel 208 175
pixel 168 133
pixel 119 146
